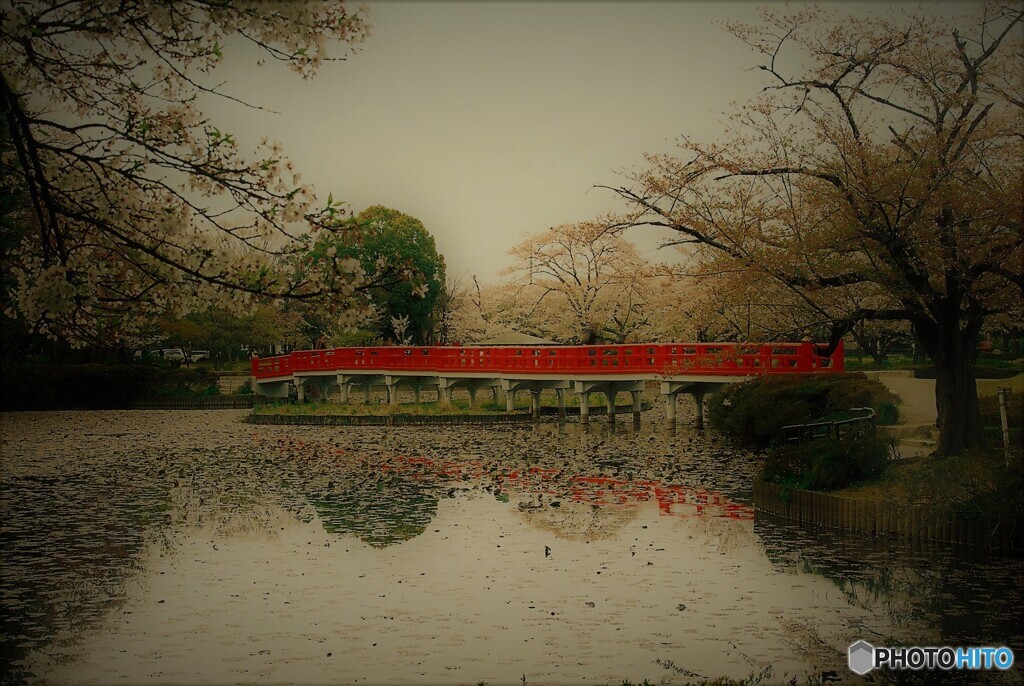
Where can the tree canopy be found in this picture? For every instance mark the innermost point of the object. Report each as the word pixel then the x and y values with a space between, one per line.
pixel 581 283
pixel 138 203
pixel 406 304
pixel 878 176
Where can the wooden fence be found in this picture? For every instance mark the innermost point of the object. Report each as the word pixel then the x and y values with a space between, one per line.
pixel 875 518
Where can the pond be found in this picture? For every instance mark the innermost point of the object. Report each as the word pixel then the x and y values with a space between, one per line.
pixel 153 546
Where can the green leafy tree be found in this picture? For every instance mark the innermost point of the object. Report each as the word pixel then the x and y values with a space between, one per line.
pixel 225 334
pixel 407 300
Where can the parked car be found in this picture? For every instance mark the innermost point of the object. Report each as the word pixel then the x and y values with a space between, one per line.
pixel 174 355
pixel 197 355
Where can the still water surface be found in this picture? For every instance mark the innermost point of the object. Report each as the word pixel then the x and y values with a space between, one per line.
pixel 190 547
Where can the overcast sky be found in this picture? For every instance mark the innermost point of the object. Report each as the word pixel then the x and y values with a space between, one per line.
pixel 490 121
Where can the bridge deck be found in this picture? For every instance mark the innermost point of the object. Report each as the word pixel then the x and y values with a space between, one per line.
pixel 636 361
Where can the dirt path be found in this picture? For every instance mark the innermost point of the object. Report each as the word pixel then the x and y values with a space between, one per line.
pixel 917 396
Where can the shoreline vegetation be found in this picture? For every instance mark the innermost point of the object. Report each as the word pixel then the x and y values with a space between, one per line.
pixel 858 484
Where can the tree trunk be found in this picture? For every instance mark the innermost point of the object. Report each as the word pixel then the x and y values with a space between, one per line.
pixel 956 391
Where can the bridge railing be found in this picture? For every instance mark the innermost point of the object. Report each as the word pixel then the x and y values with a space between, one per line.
pixel 644 358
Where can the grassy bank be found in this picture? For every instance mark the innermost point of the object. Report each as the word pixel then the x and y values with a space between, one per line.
pixel 381 410
pixel 456 407
pixel 985 367
pixel 978 485
pixel 981 485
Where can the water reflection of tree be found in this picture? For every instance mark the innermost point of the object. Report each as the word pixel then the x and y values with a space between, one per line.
pixel 576 520
pixel 70 543
pixel 576 486
pixel 966 596
pixel 380 513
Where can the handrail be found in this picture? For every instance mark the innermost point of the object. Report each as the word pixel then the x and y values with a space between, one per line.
pixel 858 426
pixel 663 359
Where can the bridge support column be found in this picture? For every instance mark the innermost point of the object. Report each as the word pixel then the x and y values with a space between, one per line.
pixel 495 394
pixel 636 406
pixel 446 394
pixel 472 396
pixel 698 389
pixel 344 392
pixel 367 389
pixel 416 394
pixel 392 394
pixel 535 388
pixel 300 392
pixel 585 407
pixel 561 403
pixel 510 401
pixel 610 398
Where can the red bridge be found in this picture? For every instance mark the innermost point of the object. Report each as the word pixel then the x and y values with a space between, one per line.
pixel 680 367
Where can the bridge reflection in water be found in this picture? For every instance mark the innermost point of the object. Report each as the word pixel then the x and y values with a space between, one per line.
pixel 389 499
pixel 694 368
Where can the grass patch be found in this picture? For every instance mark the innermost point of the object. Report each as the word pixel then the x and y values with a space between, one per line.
pixel 382 409
pixel 427 409
pixel 976 485
pixel 985 367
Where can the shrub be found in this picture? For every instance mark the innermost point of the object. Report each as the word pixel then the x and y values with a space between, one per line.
pixel 827 465
pixel 887 414
pixel 753 413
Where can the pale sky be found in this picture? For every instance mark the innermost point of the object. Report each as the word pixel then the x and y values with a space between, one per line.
pixel 490 121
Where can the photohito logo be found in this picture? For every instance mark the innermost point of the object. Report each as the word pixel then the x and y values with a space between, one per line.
pixel 863 657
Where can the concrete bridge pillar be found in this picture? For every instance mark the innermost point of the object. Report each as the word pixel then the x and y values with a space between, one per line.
pixel 585 407
pixel 446 394
pixel 510 401
pixel 416 394
pixel 344 392
pixel 636 406
pixel 561 402
pixel 367 388
pixel 472 396
pixel 697 389
pixel 495 394
pixel 392 393
pixel 535 404
pixel 610 398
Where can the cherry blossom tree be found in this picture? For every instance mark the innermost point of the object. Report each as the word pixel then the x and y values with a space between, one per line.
pixel 138 202
pixel 877 177
pixel 589 280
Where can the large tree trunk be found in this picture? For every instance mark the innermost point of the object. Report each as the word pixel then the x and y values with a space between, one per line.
pixel 952 349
